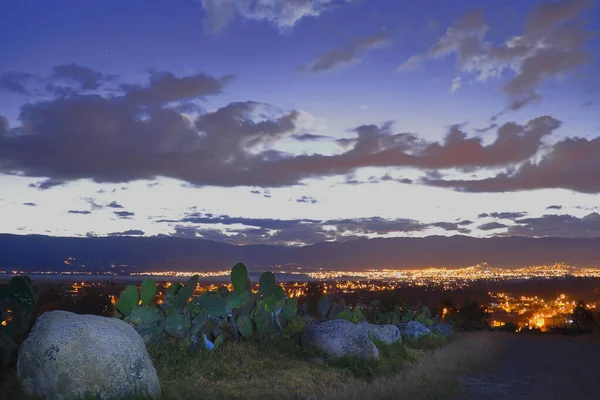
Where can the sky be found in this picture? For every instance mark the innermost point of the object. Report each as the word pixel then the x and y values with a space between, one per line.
pixel 300 121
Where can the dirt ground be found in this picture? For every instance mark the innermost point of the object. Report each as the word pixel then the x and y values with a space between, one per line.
pixel 539 367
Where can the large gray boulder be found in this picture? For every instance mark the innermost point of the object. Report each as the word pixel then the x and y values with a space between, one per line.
pixel 413 329
pixel 387 334
pixel 339 338
pixel 68 355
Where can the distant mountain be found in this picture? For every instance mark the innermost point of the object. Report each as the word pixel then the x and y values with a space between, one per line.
pixel 37 252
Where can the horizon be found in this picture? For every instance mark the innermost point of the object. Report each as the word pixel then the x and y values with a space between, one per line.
pixel 274 123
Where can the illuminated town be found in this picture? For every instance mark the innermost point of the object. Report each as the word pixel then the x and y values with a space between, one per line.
pixel 524 311
pixel 434 275
pixel 532 312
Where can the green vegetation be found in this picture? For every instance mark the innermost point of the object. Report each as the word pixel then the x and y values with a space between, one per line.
pixel 211 318
pixel 238 344
pixel 281 368
pixel 17 302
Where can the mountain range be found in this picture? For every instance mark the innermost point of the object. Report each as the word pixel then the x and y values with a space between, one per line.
pixel 160 253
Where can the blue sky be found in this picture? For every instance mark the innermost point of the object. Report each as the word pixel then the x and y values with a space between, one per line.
pixel 296 121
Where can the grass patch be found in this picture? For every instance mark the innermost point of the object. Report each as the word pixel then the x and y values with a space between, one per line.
pixel 432 376
pixel 280 368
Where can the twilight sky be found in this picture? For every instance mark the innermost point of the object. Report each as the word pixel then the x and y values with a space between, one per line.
pixel 299 121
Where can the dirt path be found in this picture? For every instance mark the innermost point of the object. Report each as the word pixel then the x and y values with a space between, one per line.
pixel 540 367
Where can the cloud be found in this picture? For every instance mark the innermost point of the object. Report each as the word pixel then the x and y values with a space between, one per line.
pixel 456 83
pixel 491 226
pixel 16 82
pixel 30 204
pixel 305 137
pixel 45 184
pixel 451 226
pixel 265 193
pixel 554 207
pixel 70 138
pixel 124 214
pixel 239 230
pixel 114 204
pixel 306 199
pixel 87 78
pixel 484 130
pixel 572 163
pixel 552 44
pixel 503 215
pixel 82 212
pixel 284 14
pixel 337 58
pixel 130 232
pixel 4 126
pixel 558 226
pixel 165 87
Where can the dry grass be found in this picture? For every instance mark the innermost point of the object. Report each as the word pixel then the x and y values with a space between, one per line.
pixel 433 376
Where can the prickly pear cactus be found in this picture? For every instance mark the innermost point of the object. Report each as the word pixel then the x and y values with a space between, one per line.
pixel 324 305
pixel 148 291
pixel 239 278
pixel 130 298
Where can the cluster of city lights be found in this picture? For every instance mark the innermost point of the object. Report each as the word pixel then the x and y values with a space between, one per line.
pixel 533 312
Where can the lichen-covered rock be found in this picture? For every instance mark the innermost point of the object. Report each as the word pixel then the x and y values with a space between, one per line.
pixel 445 329
pixel 413 329
pixel 68 355
pixel 339 338
pixel 387 334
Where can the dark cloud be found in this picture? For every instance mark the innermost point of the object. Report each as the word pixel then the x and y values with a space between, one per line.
pixel 310 137
pixel 552 44
pixel 572 163
pixel 114 204
pixel 352 53
pixel 554 207
pixel 16 82
pixel 87 78
pixel 4 126
pixel 503 215
pixel 558 226
pixel 165 87
pixel 265 193
pixel 491 226
pixel 130 232
pixel 46 183
pixel 71 138
pixel 295 232
pixel 124 214
pixel 306 199
pixel 30 204
pixel 82 212
pixel 489 128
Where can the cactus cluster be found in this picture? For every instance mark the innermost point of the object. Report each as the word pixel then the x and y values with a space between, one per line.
pixel 421 314
pixel 212 317
pixel 18 298
pixel 329 308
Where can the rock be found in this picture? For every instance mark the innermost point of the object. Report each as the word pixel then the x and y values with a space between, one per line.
pixel 338 338
pixel 445 329
pixel 387 334
pixel 413 329
pixel 68 355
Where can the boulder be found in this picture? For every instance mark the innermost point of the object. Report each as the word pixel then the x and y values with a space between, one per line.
pixel 413 329
pixel 445 329
pixel 68 355
pixel 387 334
pixel 339 338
